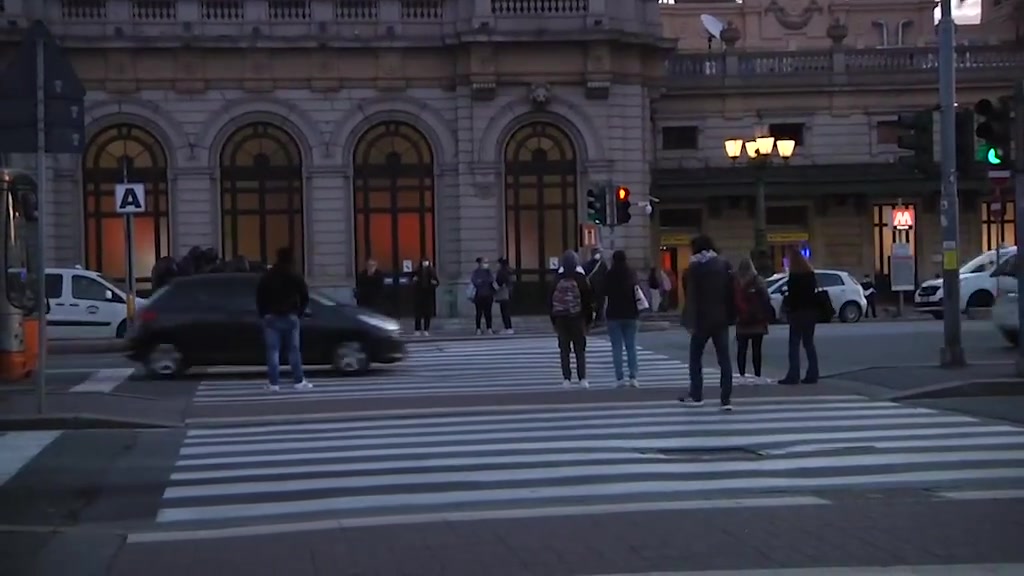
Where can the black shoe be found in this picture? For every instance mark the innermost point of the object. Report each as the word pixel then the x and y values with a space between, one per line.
pixel 809 380
pixel 789 381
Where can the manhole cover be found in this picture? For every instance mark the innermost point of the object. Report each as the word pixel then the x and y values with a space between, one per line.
pixel 703 454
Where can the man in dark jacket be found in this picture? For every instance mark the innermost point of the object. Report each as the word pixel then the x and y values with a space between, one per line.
pixel 709 310
pixel 370 287
pixel 571 306
pixel 281 298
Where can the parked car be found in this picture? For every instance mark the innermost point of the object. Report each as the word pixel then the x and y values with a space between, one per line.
pixel 843 289
pixel 83 304
pixel 211 320
pixel 1004 311
pixel 978 288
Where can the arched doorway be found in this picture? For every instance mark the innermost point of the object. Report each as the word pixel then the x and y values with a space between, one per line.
pixel 540 208
pixel 261 194
pixel 124 153
pixel 393 196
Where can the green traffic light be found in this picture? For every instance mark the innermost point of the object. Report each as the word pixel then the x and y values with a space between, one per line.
pixel 993 157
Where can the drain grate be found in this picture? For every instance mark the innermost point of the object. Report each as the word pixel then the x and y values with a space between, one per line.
pixel 703 453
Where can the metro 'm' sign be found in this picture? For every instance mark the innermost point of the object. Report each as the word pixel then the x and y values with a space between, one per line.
pixel 903 218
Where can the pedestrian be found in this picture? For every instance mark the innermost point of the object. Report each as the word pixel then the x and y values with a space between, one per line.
pixel 653 287
pixel 571 306
pixel 709 310
pixel 425 285
pixel 370 287
pixel 504 280
pixel 622 313
pixel 482 282
pixel 281 298
pixel 596 270
pixel 868 284
pixel 753 305
pixel 803 308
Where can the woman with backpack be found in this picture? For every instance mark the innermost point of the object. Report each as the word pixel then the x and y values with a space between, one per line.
pixel 572 312
pixel 622 312
pixel 753 307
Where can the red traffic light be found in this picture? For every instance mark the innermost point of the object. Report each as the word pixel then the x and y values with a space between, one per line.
pixel 623 193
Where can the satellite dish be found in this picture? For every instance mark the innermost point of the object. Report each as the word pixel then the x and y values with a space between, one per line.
pixel 713 25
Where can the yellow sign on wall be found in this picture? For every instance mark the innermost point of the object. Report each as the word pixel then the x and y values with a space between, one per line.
pixel 787 237
pixel 675 239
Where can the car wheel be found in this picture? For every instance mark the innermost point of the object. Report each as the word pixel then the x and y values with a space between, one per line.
pixel 850 312
pixel 980 299
pixel 350 358
pixel 122 329
pixel 165 361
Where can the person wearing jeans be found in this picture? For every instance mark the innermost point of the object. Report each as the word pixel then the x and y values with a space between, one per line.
pixel 483 294
pixel 621 284
pixel 710 309
pixel 281 298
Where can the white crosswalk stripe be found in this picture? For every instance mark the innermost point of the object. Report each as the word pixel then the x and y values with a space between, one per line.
pixel 485 366
pixel 578 460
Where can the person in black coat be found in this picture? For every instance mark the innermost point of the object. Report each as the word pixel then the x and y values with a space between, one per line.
pixel 803 308
pixel 370 287
pixel 710 309
pixel 282 297
pixel 425 283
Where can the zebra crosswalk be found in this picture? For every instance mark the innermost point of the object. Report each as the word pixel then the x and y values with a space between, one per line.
pixel 532 461
pixel 485 366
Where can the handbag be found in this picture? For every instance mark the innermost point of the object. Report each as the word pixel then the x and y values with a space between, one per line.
pixel 471 292
pixel 640 298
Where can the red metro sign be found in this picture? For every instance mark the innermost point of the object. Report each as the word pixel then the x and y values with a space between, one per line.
pixel 903 218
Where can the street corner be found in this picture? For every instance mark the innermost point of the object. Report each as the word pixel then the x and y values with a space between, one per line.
pixel 78 479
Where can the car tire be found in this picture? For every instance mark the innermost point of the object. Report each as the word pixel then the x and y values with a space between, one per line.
pixel 122 329
pixel 350 358
pixel 980 299
pixel 165 362
pixel 850 313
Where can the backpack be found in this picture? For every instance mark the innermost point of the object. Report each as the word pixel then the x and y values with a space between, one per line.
pixel 750 306
pixel 566 299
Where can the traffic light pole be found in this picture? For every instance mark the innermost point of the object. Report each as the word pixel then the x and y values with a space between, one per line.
pixel 952 353
pixel 1018 195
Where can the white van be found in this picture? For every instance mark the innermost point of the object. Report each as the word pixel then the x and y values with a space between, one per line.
pixel 978 288
pixel 84 305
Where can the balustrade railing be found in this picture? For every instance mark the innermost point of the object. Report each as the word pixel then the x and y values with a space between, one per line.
pixel 527 7
pixel 154 10
pixel 356 10
pixel 83 9
pixel 422 9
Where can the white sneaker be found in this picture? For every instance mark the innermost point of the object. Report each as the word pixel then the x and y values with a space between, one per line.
pixel 425 333
pixel 417 333
pixel 272 388
pixel 620 383
pixel 690 403
pixel 584 384
pixel 633 383
pixel 479 332
pixel 304 385
pixel 510 331
pixel 490 332
pixel 566 384
pixel 726 407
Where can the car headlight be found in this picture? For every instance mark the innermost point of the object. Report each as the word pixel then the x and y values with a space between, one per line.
pixel 382 322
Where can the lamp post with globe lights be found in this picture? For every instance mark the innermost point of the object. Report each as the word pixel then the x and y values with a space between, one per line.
pixel 759 152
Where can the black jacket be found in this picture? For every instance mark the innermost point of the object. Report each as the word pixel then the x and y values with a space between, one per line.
pixel 800 289
pixel 710 295
pixel 369 288
pixel 620 288
pixel 281 292
pixel 586 295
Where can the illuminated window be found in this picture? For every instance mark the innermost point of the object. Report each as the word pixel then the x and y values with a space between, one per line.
pixel 998 226
pixel 124 153
pixel 261 194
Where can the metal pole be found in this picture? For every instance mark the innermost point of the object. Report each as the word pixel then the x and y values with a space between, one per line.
pixel 760 255
pixel 129 239
pixel 1018 196
pixel 952 353
pixel 41 303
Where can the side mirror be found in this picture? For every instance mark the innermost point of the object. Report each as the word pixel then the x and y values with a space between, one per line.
pixel 108 295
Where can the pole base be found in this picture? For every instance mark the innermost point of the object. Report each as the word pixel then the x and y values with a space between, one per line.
pixel 952 357
pixel 1020 367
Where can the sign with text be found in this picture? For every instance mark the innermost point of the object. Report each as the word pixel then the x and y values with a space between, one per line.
pixel 901 268
pixel 903 218
pixel 130 198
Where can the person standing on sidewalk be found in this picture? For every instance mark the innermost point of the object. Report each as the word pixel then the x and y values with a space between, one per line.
pixel 710 309
pixel 868 284
pixel 282 297
pixel 571 306
pixel 370 287
pixel 622 314
pixel 482 282
pixel 596 269
pixel 504 280
pixel 753 305
pixel 425 283
pixel 803 309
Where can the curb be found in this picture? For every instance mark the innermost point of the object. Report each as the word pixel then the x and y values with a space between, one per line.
pixel 963 389
pixel 87 346
pixel 80 421
pixel 842 373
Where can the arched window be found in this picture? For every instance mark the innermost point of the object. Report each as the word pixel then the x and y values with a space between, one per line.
pixel 393 196
pixel 261 194
pixel 540 207
pixel 124 153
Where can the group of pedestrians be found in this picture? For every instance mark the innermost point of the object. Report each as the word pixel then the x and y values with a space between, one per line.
pixel 487 287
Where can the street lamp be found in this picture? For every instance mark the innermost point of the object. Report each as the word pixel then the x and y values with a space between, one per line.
pixel 759 155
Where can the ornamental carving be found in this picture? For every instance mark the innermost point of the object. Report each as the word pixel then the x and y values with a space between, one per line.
pixel 793 21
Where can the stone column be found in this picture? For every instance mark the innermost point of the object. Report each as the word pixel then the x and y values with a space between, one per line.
pixel 329 247
pixel 195 209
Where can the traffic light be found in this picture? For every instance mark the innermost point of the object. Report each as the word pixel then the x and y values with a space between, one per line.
pixel 965 159
pixel 622 205
pixel 597 206
pixel 919 140
pixel 994 129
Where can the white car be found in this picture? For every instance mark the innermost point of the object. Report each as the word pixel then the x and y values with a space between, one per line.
pixel 843 289
pixel 84 305
pixel 1004 311
pixel 978 288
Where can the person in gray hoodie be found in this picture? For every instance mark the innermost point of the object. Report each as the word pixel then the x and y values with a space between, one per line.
pixel 483 294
